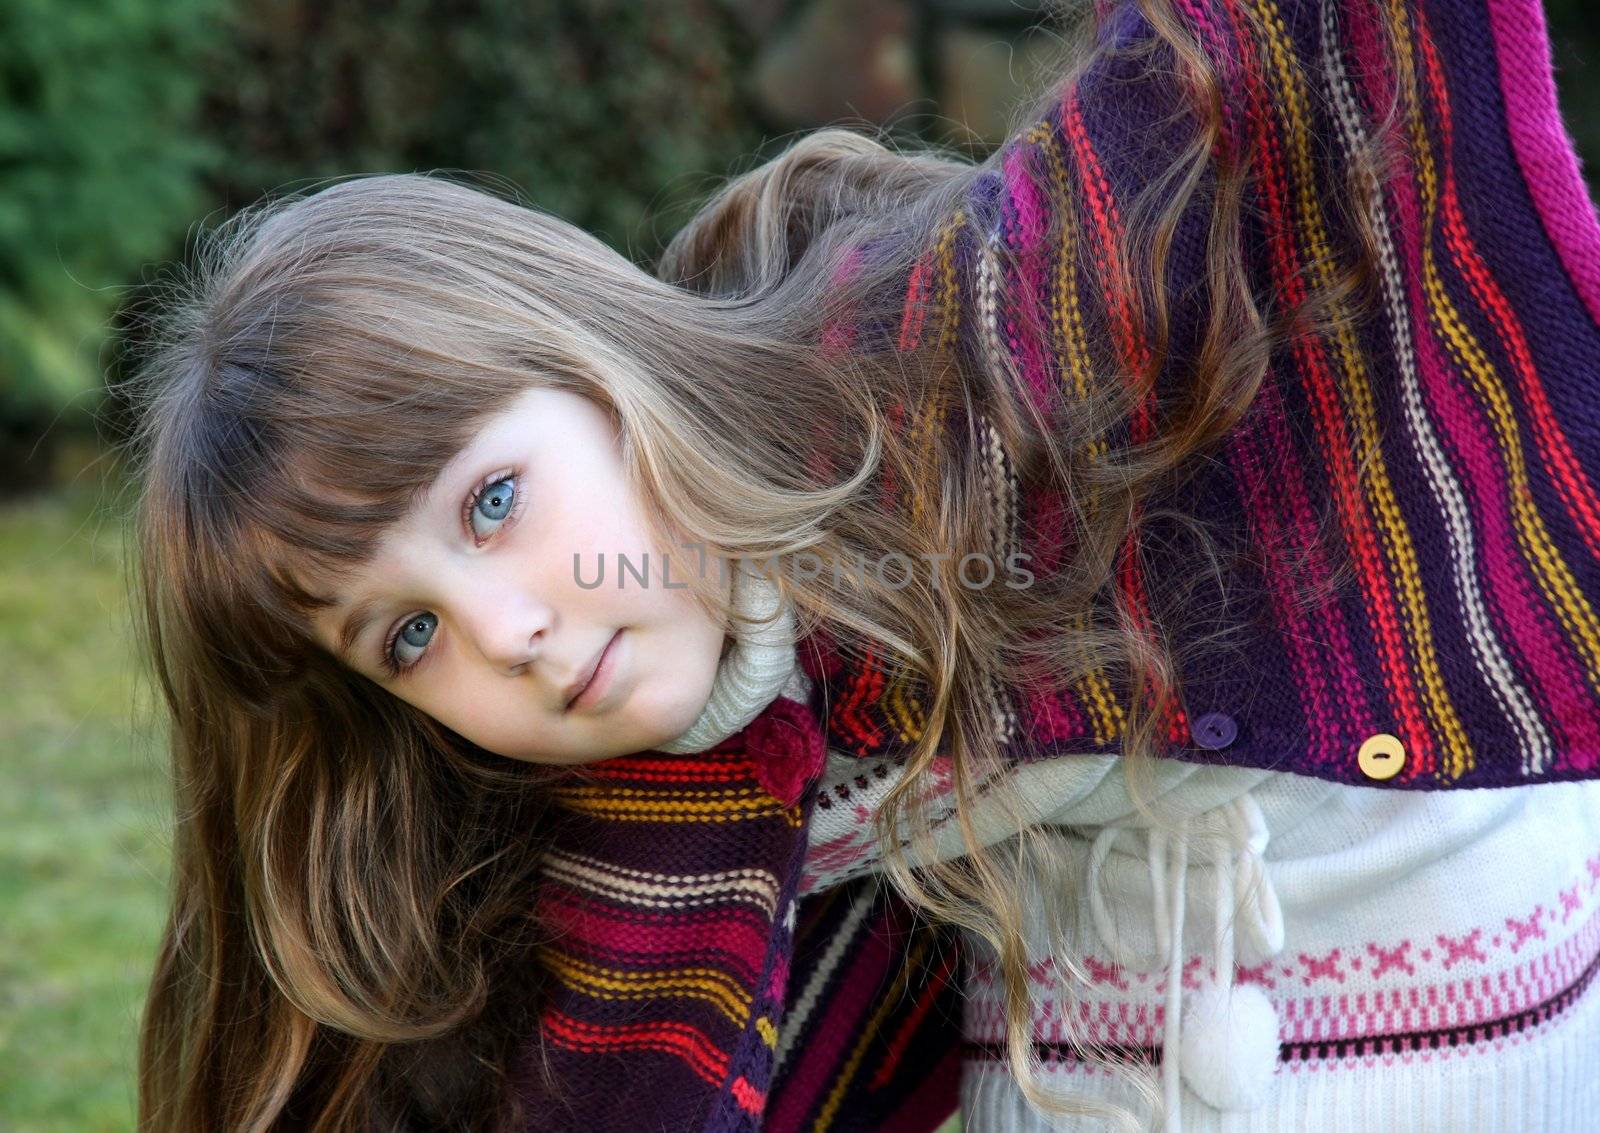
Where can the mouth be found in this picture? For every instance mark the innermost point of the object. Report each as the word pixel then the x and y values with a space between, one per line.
pixel 580 686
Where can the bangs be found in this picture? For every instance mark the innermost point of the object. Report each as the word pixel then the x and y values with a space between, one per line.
pixel 293 474
pixel 319 511
pixel 272 510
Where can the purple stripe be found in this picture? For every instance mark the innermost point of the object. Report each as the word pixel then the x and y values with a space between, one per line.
pixel 1522 619
pixel 1279 482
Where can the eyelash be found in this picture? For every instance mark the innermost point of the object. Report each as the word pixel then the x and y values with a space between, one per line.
pixel 386 656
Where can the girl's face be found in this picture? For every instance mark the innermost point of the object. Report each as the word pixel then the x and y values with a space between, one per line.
pixel 481 606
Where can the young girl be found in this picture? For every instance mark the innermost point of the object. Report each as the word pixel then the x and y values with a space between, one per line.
pixel 1070 597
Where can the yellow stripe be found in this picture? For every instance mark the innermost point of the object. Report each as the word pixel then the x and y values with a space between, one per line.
pixel 923 435
pixel 898 702
pixel 950 300
pixel 848 1072
pixel 902 707
pixel 1550 570
pixel 732 806
pixel 1395 542
pixel 598 982
pixel 1066 313
pixel 1094 689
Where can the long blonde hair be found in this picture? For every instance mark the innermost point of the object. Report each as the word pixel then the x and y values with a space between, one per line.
pixel 1073 623
pixel 348 941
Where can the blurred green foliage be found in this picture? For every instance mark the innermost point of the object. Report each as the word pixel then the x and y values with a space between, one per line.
pixel 85 819
pixel 99 168
pixel 125 122
pixel 606 112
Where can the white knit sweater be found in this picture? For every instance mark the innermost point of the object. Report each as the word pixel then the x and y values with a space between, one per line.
pixel 1347 957
pixel 1399 960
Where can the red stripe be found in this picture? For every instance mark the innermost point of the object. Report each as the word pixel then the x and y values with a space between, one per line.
pixel 908 1028
pixel 1335 448
pixel 1135 355
pixel 916 310
pixel 750 1099
pixel 848 715
pixel 697 1051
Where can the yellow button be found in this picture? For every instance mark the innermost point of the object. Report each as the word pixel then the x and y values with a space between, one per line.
pixel 1381 757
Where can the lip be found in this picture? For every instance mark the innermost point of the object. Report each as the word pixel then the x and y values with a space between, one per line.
pixel 585 691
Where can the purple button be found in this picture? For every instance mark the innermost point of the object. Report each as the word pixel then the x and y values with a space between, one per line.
pixel 1215 730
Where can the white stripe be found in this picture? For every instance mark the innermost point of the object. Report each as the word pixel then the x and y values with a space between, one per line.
pixel 794 1022
pixel 1515 704
pixel 758 887
pixel 1002 526
pixel 989 313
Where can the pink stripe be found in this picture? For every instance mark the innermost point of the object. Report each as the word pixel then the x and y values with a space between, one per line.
pixel 824 859
pixel 839 335
pixel 1051 713
pixel 779 979
pixel 1539 139
pixel 715 935
pixel 1029 230
pixel 849 265
pixel 1523 618
pixel 1427 1002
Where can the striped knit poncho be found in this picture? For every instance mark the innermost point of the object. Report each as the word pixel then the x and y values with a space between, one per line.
pixel 1452 440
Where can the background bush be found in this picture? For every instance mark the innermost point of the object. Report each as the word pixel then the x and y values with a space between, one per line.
pixel 125 122
pixel 100 167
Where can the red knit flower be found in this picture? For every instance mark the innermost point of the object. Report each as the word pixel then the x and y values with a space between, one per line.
pixel 786 748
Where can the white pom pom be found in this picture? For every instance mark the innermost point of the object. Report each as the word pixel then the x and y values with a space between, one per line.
pixel 1230 1045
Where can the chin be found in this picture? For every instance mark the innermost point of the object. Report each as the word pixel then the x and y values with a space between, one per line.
pixel 672 717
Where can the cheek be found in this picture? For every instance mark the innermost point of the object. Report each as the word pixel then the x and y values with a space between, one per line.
pixel 459 691
pixel 586 538
pixel 615 522
pixel 496 720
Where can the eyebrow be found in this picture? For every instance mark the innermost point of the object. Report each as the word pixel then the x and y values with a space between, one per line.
pixel 361 615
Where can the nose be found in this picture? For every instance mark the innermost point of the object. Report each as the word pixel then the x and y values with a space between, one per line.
pixel 507 628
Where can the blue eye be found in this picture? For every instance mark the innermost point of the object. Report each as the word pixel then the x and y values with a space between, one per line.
pixel 493 503
pixel 415 633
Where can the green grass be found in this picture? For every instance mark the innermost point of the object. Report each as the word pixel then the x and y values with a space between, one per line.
pixel 84 828
pixel 84 821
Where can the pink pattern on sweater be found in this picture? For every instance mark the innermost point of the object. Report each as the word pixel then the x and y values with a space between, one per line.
pixel 1539 139
pixel 1419 999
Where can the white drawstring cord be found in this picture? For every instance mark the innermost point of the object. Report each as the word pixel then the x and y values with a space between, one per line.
pixel 1172 1040
pixel 1264 913
pixel 1237 1024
